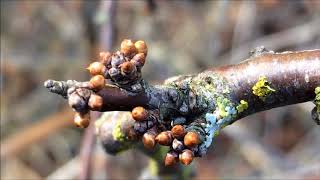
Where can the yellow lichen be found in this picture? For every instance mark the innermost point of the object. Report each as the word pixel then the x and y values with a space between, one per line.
pixel 317 99
pixel 117 133
pixel 221 104
pixel 262 88
pixel 242 106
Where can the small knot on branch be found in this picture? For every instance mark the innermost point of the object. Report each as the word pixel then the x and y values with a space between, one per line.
pixel 57 87
pixel 63 87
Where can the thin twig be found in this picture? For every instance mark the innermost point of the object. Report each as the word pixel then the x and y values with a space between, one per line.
pixel 36 132
pixel 107 9
pixel 86 151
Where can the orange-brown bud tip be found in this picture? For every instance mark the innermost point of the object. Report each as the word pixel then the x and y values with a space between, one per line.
pixel 164 138
pixel 105 58
pixel 81 120
pixel 127 67
pixel 178 131
pixel 139 114
pixel 139 59
pixel 95 102
pixel 128 47
pixel 141 47
pixel 186 157
pixel 97 82
pixel 191 139
pixel 171 158
pixel 148 140
pixel 96 68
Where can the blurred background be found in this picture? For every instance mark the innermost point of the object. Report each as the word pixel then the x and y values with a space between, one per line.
pixel 58 39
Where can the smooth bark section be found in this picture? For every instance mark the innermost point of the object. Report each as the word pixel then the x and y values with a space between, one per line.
pixel 293 75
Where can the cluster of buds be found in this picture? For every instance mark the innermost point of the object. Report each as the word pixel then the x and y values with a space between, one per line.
pixel 181 142
pixel 121 68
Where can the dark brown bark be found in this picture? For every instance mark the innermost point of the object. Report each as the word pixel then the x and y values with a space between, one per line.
pixel 116 99
pixel 294 76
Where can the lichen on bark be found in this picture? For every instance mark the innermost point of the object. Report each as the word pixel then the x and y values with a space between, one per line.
pixel 316 111
pixel 242 106
pixel 205 101
pixel 317 99
pixel 201 103
pixel 262 88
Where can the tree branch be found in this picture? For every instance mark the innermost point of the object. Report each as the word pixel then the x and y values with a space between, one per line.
pixel 186 112
pixel 294 76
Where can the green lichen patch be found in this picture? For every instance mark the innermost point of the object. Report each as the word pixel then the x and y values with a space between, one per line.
pixel 317 90
pixel 317 99
pixel 208 87
pixel 262 88
pixel 117 133
pixel 242 106
pixel 222 103
pixel 208 94
pixel 121 137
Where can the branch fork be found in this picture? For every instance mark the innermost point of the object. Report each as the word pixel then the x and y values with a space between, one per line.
pixel 186 112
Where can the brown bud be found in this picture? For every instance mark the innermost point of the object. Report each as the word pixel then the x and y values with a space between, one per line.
pixel 128 47
pixel 191 139
pixel 97 82
pixel 95 102
pixel 186 157
pixel 148 140
pixel 141 47
pixel 177 145
pixel 105 58
pixel 171 158
pixel 127 67
pixel 139 59
pixel 178 131
pixel 164 138
pixel 140 127
pixel 139 114
pixel 77 102
pixel 96 68
pixel 81 120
